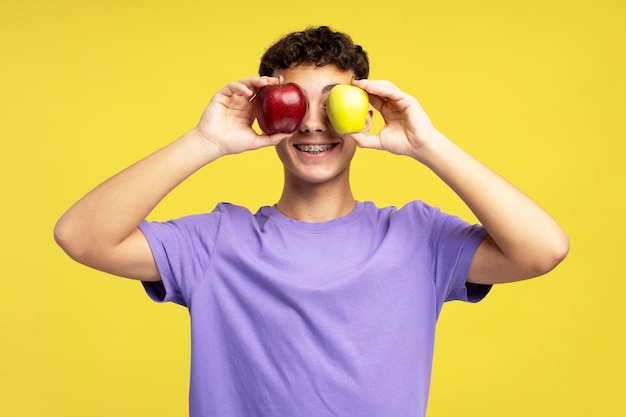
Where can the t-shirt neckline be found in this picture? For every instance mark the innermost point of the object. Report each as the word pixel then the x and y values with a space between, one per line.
pixel 279 218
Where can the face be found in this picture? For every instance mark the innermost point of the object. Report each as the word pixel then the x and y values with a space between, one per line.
pixel 316 153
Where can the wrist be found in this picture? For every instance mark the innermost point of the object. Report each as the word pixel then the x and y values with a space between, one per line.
pixel 202 147
pixel 430 148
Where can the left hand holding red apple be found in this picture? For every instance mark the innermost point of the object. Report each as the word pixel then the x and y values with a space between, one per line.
pixel 407 126
pixel 226 124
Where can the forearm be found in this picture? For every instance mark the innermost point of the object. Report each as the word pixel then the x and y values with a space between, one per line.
pixel 108 214
pixel 524 241
pixel 527 236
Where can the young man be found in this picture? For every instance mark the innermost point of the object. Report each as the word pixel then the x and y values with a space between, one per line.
pixel 319 305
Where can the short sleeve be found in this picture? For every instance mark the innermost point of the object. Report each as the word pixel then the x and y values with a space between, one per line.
pixel 454 243
pixel 182 251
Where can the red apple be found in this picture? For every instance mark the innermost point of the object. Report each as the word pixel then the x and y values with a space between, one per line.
pixel 279 108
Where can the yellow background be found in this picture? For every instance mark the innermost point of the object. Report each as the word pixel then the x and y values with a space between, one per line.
pixel 533 88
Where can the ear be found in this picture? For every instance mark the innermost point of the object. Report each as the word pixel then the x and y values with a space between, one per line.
pixel 368 120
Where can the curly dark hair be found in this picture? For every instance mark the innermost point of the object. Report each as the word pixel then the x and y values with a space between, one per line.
pixel 318 46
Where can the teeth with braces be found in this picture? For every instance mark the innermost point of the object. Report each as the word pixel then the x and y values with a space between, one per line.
pixel 314 148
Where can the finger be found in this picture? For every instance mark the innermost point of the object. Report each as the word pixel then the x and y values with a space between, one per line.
pixel 377 102
pixel 257 82
pixel 264 140
pixel 365 140
pixel 247 87
pixel 276 138
pixel 382 88
pixel 237 88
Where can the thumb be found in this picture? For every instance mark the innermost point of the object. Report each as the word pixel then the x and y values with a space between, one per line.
pixel 365 140
pixel 263 140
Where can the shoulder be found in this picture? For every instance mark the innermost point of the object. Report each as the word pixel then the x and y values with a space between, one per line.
pixel 417 213
pixel 195 225
pixel 419 208
pixel 438 226
pixel 415 209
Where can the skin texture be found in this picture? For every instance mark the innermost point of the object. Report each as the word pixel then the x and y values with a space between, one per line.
pixel 101 230
pixel 317 187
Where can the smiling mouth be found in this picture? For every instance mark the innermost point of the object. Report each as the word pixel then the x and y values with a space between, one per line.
pixel 315 149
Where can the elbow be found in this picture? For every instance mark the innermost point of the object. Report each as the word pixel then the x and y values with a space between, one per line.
pixel 62 237
pixel 522 262
pixel 70 240
pixel 550 256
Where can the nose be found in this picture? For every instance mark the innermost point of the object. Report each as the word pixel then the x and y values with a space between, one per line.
pixel 315 120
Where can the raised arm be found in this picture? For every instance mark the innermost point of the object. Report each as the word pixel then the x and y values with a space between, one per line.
pixel 101 229
pixel 523 242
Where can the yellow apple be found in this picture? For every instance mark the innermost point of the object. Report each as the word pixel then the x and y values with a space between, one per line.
pixel 347 107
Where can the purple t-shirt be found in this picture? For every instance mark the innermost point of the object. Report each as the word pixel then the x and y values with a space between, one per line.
pixel 300 319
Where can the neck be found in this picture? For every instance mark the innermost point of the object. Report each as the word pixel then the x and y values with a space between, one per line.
pixel 316 202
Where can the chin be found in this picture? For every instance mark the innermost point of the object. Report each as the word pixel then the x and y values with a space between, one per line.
pixel 315 179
